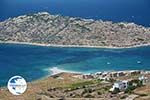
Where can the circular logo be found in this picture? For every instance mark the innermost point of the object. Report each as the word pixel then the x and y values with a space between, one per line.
pixel 17 85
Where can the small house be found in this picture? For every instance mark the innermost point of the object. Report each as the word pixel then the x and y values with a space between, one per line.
pixel 121 85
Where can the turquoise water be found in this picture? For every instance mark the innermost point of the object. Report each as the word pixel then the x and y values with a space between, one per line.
pixel 137 11
pixel 33 62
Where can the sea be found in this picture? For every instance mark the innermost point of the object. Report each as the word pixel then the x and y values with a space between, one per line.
pixel 137 11
pixel 35 62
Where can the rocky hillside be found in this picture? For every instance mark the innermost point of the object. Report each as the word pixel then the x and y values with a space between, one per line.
pixel 55 29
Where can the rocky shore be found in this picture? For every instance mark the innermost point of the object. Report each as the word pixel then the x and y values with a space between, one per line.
pixel 45 29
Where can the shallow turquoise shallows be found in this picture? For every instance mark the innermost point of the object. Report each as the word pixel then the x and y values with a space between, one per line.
pixel 34 62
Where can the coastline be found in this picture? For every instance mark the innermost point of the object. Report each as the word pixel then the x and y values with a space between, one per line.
pixel 56 71
pixel 74 46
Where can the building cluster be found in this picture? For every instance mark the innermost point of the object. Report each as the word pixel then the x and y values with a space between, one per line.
pixel 122 85
pixel 110 75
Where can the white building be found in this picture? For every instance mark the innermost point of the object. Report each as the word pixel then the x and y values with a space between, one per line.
pixel 121 85
pixel 145 80
pixel 106 78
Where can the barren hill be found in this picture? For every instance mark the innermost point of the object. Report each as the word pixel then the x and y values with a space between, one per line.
pixel 60 30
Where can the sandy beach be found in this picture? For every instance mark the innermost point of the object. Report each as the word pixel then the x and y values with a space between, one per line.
pixel 84 46
pixel 56 70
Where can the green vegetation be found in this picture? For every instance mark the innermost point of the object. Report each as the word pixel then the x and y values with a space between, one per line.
pixel 116 90
pixel 103 90
pixel 87 90
pixel 133 85
pixel 130 89
pixel 83 84
pixel 143 94
pixel 123 97
pixel 99 92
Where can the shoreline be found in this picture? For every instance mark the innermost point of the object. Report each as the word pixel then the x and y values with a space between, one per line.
pixel 59 71
pixel 74 46
pixel 56 70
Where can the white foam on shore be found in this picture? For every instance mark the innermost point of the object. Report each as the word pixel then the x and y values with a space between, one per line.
pixel 83 46
pixel 56 70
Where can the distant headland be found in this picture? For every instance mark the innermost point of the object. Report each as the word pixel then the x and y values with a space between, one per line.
pixel 56 30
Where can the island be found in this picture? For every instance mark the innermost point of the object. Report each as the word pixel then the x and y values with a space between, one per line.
pixel 56 30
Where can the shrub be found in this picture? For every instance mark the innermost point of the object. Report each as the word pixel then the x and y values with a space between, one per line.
pixel 99 93
pixel 129 89
pixel 116 90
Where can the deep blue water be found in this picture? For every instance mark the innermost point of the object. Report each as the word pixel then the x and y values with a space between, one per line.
pixel 137 11
pixel 31 62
